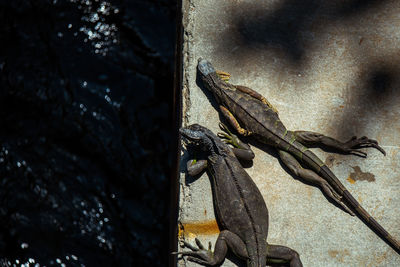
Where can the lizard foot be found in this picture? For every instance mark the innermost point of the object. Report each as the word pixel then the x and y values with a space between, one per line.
pixel 227 136
pixel 355 143
pixel 198 254
pixel 327 188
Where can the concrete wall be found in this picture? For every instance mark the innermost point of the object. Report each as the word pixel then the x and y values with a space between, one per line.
pixel 327 66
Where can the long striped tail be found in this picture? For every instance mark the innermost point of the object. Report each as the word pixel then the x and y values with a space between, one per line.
pixel 371 222
pixel 317 165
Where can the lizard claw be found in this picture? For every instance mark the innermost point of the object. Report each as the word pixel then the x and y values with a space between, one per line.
pixel 359 153
pixel 188 245
pixel 197 254
pixel 224 128
pixel 227 136
pixel 354 144
pixel 199 244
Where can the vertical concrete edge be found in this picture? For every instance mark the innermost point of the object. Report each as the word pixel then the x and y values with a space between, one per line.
pixel 187 20
pixel 188 25
pixel 175 143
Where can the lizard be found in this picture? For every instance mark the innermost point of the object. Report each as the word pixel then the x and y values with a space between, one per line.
pixel 252 115
pixel 239 205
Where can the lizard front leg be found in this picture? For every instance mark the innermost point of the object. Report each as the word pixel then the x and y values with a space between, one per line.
pixel 312 177
pixel 226 239
pixel 352 146
pixel 283 253
pixel 240 149
pixel 194 167
pixel 233 121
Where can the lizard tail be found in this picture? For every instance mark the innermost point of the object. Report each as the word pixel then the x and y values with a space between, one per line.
pixel 371 222
pixel 317 165
pixel 359 210
pixel 313 162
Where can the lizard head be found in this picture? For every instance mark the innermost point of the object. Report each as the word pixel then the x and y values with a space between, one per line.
pixel 210 78
pixel 205 67
pixel 201 136
pixel 194 133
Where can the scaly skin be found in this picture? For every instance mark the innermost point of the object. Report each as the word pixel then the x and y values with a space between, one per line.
pixel 240 207
pixel 252 115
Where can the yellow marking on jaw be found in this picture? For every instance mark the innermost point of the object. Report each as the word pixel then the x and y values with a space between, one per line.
pixel 276 123
pixel 225 76
pixel 284 134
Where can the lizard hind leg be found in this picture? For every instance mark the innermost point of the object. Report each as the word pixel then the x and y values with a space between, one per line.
pixel 226 239
pixel 277 252
pixel 233 121
pixel 313 178
pixel 352 146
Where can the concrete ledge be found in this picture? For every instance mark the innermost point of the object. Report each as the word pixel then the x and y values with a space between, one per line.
pixel 331 68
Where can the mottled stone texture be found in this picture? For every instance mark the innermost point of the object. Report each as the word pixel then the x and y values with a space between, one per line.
pixel 327 66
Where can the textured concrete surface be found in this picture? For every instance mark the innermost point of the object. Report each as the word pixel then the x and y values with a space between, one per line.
pixel 331 68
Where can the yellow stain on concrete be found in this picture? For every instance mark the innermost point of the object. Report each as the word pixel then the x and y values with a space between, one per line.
pixel 351 180
pixel 193 229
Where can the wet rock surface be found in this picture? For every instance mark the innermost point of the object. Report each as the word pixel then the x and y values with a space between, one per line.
pixel 85 115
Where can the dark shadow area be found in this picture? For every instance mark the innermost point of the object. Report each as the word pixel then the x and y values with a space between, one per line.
pixel 289 30
pixel 86 115
pixel 375 93
pixel 381 82
pixel 285 28
pixel 348 8
pixel 282 28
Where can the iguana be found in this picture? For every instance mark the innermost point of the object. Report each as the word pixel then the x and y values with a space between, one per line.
pixel 240 207
pixel 252 115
